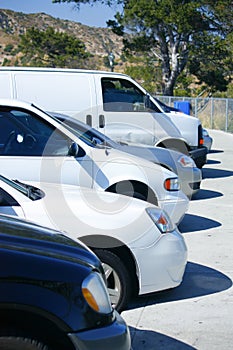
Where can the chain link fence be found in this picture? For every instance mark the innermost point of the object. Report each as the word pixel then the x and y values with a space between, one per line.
pixel 214 113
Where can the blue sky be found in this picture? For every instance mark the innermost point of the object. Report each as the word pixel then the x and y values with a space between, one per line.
pixel 96 15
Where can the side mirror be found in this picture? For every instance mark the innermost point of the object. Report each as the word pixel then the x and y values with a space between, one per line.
pixel 96 141
pixel 73 150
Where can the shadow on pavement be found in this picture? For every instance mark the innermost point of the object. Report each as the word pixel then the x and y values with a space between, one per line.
pixel 150 340
pixel 211 161
pixel 209 173
pixel 199 280
pixel 191 223
pixel 216 151
pixel 206 194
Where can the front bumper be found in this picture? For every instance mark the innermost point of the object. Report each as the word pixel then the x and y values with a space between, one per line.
pixel 199 155
pixel 208 142
pixel 114 336
pixel 161 266
pixel 176 206
pixel 190 180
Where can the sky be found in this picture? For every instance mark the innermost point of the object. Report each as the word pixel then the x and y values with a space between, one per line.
pixel 95 16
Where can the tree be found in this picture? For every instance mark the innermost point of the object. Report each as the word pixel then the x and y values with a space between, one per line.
pixel 178 34
pixel 52 49
pixel 210 63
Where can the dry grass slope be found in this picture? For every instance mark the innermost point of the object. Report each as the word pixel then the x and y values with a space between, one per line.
pixel 98 41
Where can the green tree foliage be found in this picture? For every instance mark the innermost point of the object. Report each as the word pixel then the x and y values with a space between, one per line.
pixel 52 49
pixel 177 32
pixel 91 2
pixel 8 48
pixel 179 36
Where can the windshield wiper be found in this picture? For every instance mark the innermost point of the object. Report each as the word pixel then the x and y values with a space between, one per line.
pixel 30 191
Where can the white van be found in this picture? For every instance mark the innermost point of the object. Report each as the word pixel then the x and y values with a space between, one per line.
pixel 109 101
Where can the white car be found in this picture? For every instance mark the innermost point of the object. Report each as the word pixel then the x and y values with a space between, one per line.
pixel 208 140
pixel 141 250
pixel 184 166
pixel 35 146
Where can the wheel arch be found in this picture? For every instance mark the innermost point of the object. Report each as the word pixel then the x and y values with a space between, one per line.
pixel 117 247
pixel 175 144
pixel 22 322
pixel 139 187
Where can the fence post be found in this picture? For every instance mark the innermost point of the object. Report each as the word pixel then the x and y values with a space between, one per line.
pixel 226 123
pixel 195 108
pixel 211 113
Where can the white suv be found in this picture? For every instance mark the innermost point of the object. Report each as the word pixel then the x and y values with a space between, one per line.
pixel 35 146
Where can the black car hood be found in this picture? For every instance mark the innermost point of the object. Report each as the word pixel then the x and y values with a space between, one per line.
pixel 20 234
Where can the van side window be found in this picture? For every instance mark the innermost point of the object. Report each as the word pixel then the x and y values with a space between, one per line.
pixel 120 95
pixel 24 134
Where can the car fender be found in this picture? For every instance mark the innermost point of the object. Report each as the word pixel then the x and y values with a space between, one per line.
pixel 117 170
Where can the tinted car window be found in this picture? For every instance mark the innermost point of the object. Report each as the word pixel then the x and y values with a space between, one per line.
pixel 24 134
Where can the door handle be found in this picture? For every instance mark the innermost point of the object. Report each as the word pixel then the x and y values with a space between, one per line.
pixel 89 119
pixel 101 121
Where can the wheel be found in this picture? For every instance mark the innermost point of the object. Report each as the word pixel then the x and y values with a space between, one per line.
pixel 117 277
pixel 20 343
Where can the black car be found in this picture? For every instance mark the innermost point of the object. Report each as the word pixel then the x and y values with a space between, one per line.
pixel 52 293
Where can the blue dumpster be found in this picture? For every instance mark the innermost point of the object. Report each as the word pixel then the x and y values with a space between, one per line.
pixel 183 106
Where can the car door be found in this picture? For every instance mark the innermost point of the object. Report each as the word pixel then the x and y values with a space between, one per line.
pixel 33 149
pixel 124 114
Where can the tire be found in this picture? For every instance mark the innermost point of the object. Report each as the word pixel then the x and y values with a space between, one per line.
pixel 118 278
pixel 20 343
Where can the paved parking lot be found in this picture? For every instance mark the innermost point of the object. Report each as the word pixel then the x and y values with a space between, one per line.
pixel 199 313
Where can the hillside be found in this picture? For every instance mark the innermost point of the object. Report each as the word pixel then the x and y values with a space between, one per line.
pixel 98 41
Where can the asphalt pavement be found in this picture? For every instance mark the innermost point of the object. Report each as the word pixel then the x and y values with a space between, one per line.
pixel 199 313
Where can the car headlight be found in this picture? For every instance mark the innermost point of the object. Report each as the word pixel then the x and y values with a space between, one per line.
pixel 96 294
pixel 161 219
pixel 172 184
pixel 186 162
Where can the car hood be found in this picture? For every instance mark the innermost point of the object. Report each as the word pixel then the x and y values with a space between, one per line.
pixel 156 155
pixel 141 157
pixel 22 235
pixel 81 212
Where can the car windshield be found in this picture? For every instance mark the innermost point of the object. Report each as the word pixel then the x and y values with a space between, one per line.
pixel 67 126
pixel 83 131
pixel 31 192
